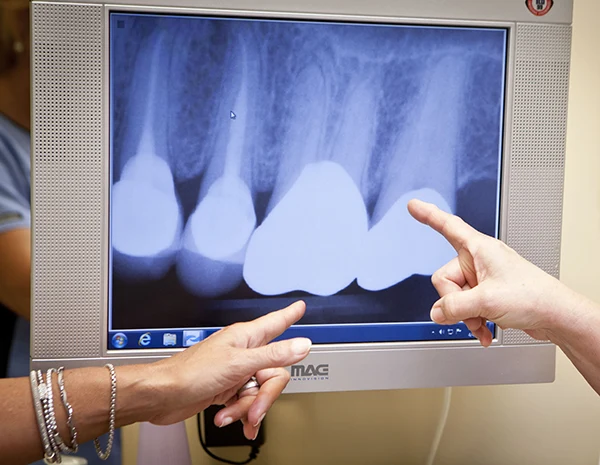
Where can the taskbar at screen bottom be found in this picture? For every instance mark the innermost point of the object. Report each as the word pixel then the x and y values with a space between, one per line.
pixel 319 334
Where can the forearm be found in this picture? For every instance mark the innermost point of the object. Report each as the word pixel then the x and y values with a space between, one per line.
pixel 88 392
pixel 576 330
pixel 17 301
pixel 15 271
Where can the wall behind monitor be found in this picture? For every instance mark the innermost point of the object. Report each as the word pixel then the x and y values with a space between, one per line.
pixel 552 424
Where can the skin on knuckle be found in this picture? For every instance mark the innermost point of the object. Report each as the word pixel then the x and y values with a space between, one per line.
pixel 280 374
pixel 502 246
pixel 457 225
pixel 429 218
pixel 497 249
pixel 485 300
pixel 436 278
pixel 457 221
pixel 233 329
pixel 490 303
pixel 274 352
pixel 475 244
pixel 286 319
pixel 449 306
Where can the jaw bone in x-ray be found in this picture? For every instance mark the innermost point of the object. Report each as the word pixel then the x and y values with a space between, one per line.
pixel 146 215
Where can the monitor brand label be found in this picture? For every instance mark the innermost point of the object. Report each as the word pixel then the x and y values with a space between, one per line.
pixel 310 372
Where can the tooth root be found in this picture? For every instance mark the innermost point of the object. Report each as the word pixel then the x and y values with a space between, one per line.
pixel 217 233
pixel 304 134
pixel 146 216
pixel 427 148
pixel 398 246
pixel 310 239
pixel 356 133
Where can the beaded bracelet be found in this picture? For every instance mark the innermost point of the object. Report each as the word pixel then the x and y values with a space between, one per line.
pixel 45 388
pixel 37 392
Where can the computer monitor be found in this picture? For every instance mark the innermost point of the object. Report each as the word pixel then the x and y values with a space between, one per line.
pixel 197 163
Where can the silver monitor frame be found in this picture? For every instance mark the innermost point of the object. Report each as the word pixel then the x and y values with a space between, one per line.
pixel 70 186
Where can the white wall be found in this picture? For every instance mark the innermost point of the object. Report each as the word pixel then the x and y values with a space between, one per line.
pixel 555 424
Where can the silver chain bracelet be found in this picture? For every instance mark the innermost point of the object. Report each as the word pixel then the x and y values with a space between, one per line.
pixel 112 414
pixel 69 410
pixel 45 390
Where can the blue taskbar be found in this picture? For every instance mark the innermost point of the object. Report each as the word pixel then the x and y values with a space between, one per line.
pixel 319 334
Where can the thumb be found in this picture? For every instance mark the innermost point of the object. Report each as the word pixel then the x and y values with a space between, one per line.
pixel 458 306
pixel 278 354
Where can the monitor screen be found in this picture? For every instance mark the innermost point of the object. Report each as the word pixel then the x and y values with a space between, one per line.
pixel 258 161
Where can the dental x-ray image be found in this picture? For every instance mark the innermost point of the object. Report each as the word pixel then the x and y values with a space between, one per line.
pixel 255 162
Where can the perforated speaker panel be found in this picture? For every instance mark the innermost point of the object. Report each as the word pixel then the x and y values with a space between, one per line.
pixel 68 176
pixel 539 125
pixel 67 179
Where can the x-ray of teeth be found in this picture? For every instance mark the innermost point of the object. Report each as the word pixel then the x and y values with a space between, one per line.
pixel 426 150
pixel 258 159
pixel 210 261
pixel 385 248
pixel 216 235
pixel 302 139
pixel 310 239
pixel 354 137
pixel 144 197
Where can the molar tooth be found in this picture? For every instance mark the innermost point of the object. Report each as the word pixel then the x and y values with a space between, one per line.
pixel 309 241
pixel 398 247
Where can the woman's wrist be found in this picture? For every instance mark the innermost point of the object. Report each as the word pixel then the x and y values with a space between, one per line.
pixel 141 392
pixel 571 315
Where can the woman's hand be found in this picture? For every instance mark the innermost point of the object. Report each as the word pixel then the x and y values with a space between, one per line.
pixel 212 372
pixel 489 281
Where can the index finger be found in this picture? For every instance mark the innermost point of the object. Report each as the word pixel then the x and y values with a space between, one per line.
pixel 456 231
pixel 266 328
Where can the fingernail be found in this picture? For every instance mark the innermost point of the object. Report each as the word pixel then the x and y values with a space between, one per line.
pixel 256 434
pixel 226 421
pixel 301 346
pixel 262 417
pixel 437 315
